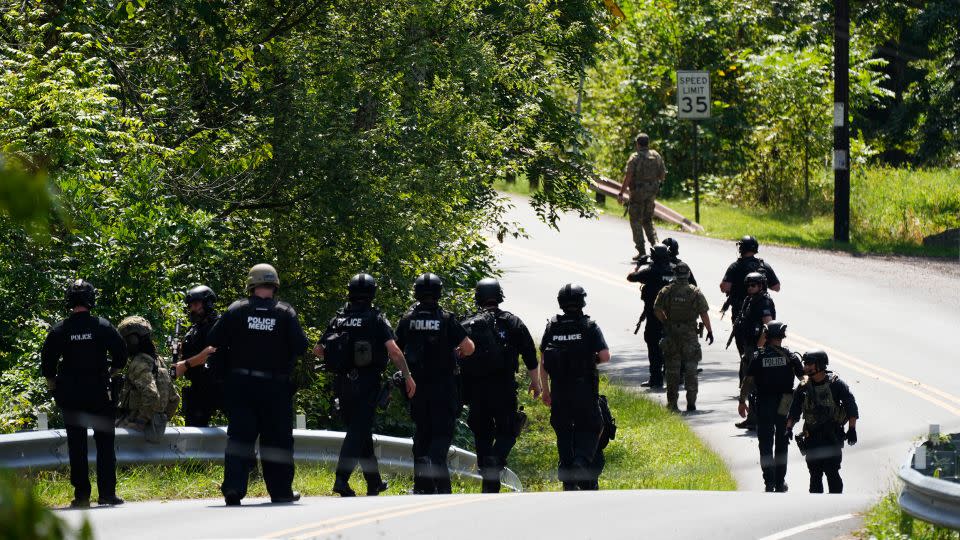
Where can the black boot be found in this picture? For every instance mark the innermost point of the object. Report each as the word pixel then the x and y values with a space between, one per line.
pixel 109 500
pixel 375 484
pixel 342 487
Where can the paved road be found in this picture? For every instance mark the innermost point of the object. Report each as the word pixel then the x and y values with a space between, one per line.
pixel 605 515
pixel 888 325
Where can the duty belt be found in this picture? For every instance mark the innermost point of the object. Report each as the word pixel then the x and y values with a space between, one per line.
pixel 260 374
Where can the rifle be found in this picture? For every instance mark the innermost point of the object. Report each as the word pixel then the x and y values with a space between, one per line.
pixel 725 306
pixel 643 317
pixel 173 342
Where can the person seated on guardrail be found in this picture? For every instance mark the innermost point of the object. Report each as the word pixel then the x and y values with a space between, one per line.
pixel 642 177
pixel 571 348
pixel 355 346
pixel 258 341
pixel 80 385
pixel 432 340
pixel 826 404
pixel 770 372
pixel 149 398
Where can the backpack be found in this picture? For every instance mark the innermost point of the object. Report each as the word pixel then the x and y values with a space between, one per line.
pixel 488 357
pixel 343 349
pixel 429 350
pixel 609 422
pixel 567 355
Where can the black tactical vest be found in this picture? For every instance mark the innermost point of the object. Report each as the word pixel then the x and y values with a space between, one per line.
pixel 426 343
pixel 567 353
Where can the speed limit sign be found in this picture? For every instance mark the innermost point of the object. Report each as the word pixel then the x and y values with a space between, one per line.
pixel 693 94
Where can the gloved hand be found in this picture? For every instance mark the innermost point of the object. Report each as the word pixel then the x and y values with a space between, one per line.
pixel 852 436
pixel 710 337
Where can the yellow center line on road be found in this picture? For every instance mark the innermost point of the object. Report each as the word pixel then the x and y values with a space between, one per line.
pixel 912 386
pixel 331 521
pixel 435 505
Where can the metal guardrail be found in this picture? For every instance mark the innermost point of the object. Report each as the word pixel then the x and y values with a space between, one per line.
pixel 930 499
pixel 611 188
pixel 47 449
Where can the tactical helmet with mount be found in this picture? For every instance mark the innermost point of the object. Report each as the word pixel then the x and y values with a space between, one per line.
pixel 262 274
pixel 776 330
pixel 488 291
pixel 362 287
pixel 672 245
pixel 816 357
pixel 681 271
pixel 81 293
pixel 748 244
pixel 134 329
pixel 572 295
pixel 427 286
pixel 755 278
pixel 201 293
pixel 659 254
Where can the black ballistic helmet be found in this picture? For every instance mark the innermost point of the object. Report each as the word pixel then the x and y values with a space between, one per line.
pixel 672 245
pixel 816 357
pixel 488 290
pixel 427 287
pixel 776 330
pixel 659 254
pixel 572 295
pixel 81 293
pixel 201 293
pixel 748 244
pixel 362 287
pixel 755 277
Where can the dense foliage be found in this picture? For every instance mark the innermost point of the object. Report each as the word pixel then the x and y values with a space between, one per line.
pixel 771 74
pixel 186 141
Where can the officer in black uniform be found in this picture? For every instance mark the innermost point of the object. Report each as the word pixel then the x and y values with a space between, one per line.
pixel 360 339
pixel 770 373
pixel 675 259
pixel 432 339
pixel 571 348
pixel 490 390
pixel 757 310
pixel 826 404
pixel 733 280
pixel 653 276
pixel 204 397
pixel 258 341
pixel 80 385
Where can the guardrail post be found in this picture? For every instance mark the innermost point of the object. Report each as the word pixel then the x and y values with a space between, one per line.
pixel 42 424
pixel 301 421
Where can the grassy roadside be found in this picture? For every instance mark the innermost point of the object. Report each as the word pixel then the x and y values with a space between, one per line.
pixel 653 449
pixel 891 212
pixel 886 521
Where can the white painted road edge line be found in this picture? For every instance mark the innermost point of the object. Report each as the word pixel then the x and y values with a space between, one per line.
pixel 803 528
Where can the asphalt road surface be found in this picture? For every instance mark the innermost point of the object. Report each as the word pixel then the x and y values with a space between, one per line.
pixel 889 325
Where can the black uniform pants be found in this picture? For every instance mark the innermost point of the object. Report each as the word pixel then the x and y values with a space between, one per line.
pixel 772 439
pixel 434 409
pixel 652 334
pixel 258 407
pixel 201 400
pixel 100 419
pixel 358 405
pixel 575 417
pixel 824 460
pixel 492 418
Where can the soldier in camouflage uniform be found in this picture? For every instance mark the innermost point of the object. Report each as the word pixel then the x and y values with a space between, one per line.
pixel 678 305
pixel 644 173
pixel 148 398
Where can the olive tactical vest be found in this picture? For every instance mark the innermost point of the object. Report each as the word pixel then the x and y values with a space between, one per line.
pixel 819 407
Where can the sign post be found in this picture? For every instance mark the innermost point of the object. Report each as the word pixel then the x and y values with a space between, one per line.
pixel 693 103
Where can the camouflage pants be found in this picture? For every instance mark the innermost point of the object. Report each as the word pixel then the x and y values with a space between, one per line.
pixel 679 350
pixel 641 219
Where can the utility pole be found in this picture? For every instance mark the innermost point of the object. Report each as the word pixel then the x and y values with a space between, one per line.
pixel 841 115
